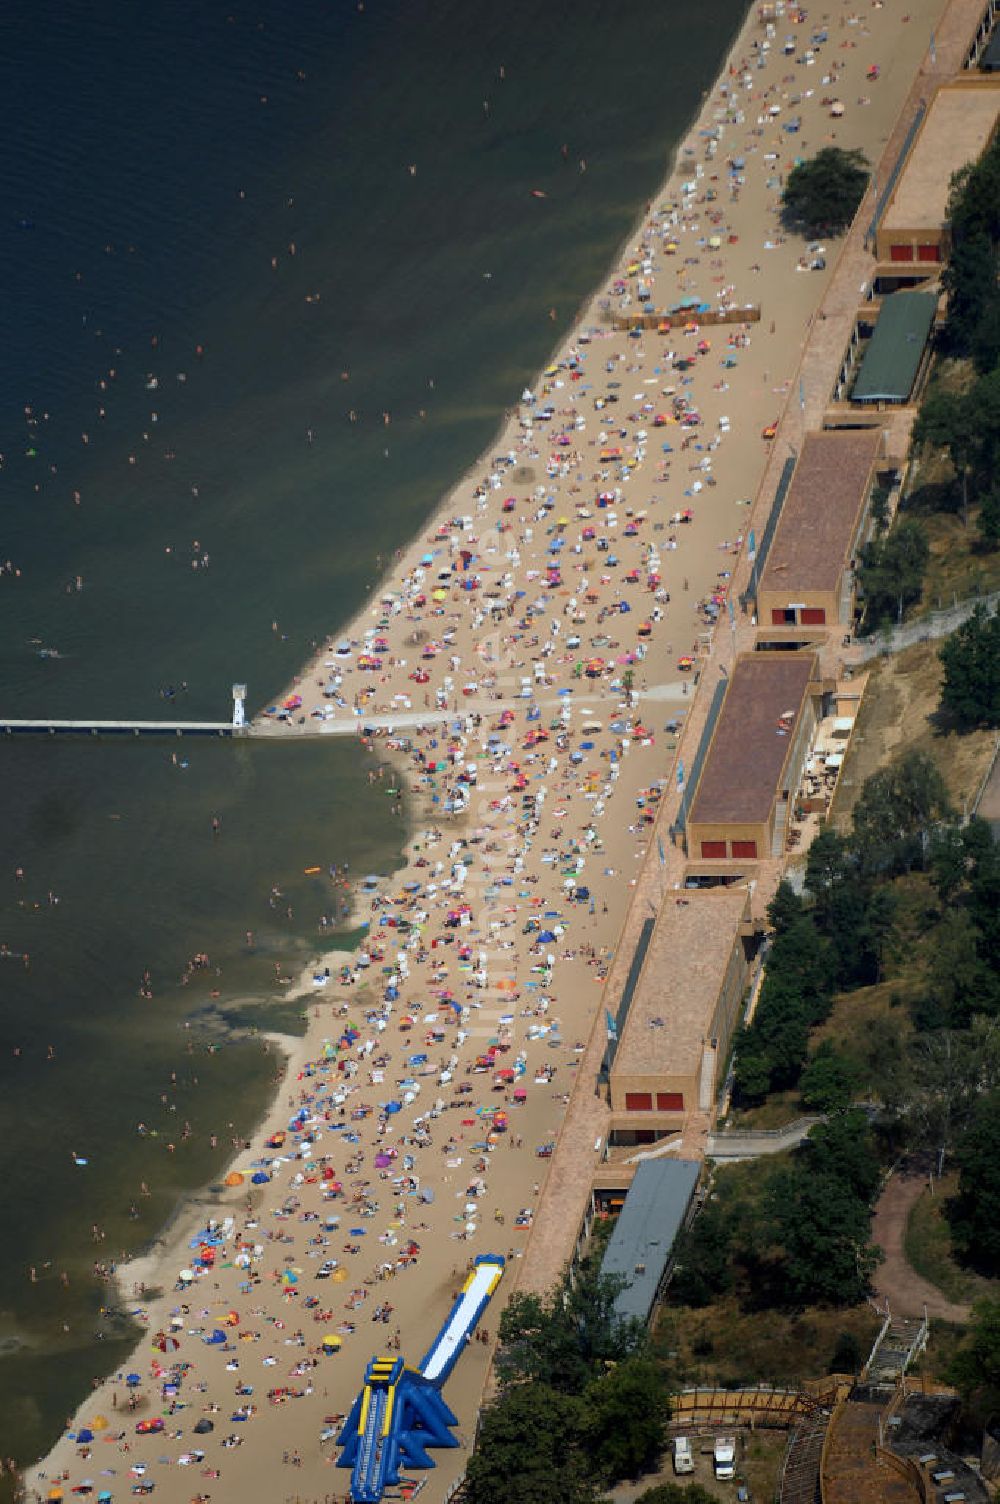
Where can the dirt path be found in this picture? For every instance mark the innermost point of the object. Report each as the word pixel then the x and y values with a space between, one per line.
pixel 896 1280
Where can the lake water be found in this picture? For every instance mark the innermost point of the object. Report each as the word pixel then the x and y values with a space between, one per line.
pixel 213 250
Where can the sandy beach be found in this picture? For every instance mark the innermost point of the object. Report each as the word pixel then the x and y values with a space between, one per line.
pixel 523 663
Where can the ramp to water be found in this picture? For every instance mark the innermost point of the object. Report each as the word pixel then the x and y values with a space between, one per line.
pixel 464 1316
pixel 400 1411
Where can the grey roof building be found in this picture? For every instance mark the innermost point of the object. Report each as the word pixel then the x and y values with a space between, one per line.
pixel 642 1242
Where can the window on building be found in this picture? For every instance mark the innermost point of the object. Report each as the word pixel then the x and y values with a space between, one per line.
pixel 747 850
pixel 901 253
pixel 670 1101
pixel 712 850
pixel 638 1101
pixel 813 616
pixel 928 253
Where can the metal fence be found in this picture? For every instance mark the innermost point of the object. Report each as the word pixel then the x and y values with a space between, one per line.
pixel 767 536
pixel 929 628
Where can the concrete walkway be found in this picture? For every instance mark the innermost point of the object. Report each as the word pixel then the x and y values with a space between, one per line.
pixel 585 703
pixel 751 1144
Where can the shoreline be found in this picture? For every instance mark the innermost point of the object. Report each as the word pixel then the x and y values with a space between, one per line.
pixel 612 844
pixel 585 314
pixel 148 1266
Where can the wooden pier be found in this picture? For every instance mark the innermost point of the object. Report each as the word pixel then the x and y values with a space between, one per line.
pixel 14 727
pixel 53 726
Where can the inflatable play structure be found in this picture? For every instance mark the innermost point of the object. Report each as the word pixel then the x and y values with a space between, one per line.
pixel 400 1412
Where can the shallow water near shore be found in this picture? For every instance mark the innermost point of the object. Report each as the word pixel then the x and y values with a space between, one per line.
pixel 165 156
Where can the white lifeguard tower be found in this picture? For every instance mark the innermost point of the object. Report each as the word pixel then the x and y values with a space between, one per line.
pixel 239 706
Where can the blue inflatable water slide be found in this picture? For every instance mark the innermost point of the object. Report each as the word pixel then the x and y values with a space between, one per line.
pixel 400 1411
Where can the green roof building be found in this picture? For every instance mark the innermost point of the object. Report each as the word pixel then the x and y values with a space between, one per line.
pixel 893 358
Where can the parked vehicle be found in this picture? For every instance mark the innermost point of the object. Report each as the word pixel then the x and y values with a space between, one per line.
pixel 725 1457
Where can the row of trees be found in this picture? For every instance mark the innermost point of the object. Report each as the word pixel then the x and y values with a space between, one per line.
pixel 963 420
pixel 805 1241
pixel 836 937
pixel 799 1234
pixel 971 277
pixel 958 1110
pixel 963 967
pixel 582 1403
pixel 974 1213
pixel 821 196
pixel 975 1368
pixel 936 1070
pixel 967 424
pixel 891 571
pixel 970 692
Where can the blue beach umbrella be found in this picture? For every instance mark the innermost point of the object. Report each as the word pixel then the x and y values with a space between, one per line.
pixel 132 1379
